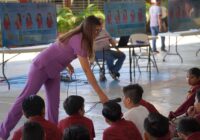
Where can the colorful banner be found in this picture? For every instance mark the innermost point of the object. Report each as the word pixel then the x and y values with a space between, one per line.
pixel 25 24
pixel 184 15
pixel 125 18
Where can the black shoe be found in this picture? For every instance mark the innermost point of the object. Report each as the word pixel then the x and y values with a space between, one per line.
pixel 102 78
pixel 113 75
pixel 118 74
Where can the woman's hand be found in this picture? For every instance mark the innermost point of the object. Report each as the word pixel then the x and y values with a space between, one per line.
pixel 171 115
pixel 103 98
pixel 191 111
pixel 90 76
pixel 70 69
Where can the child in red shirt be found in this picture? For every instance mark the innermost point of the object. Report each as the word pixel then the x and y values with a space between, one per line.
pixel 33 131
pixel 74 107
pixel 76 132
pixel 156 127
pixel 193 77
pixel 194 111
pixel 34 109
pixel 188 128
pixel 120 129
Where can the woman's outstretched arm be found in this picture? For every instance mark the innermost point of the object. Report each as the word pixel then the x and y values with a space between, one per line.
pixel 92 80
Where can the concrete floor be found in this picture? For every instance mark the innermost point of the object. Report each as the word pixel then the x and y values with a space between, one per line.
pixel 166 90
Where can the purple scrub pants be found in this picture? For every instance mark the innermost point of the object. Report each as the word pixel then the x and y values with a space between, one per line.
pixel 36 78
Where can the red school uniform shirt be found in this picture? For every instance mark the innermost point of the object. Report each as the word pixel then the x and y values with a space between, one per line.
pixel 122 130
pixel 77 119
pixel 188 102
pixel 50 129
pixel 194 136
pixel 150 107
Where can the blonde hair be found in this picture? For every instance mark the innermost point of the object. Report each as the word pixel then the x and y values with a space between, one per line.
pixel 87 28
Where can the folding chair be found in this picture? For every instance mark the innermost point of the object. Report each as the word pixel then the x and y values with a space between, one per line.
pixel 141 38
pixel 101 64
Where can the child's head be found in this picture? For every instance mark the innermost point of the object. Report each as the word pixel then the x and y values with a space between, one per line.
pixel 132 94
pixel 156 126
pixel 193 76
pixel 112 111
pixel 33 106
pixel 186 126
pixel 74 105
pixel 156 2
pixel 76 132
pixel 33 131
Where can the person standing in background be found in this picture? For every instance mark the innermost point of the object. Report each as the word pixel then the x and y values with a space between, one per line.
pixel 164 26
pixel 156 23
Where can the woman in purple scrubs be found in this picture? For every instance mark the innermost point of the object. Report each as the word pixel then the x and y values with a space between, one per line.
pixel 47 66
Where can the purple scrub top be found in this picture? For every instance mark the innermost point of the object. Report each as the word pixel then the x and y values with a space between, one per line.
pixel 56 57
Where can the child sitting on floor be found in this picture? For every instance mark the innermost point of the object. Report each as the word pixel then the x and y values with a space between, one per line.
pixel 136 113
pixel 188 129
pixel 193 77
pixel 120 129
pixel 150 107
pixel 33 131
pixel 76 132
pixel 74 107
pixel 194 111
pixel 34 109
pixel 156 127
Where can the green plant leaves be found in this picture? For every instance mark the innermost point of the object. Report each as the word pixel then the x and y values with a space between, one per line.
pixel 67 20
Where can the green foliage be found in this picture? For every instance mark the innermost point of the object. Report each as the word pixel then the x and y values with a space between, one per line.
pixel 147 5
pixel 67 20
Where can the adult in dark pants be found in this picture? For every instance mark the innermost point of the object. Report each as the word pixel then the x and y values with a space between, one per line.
pixel 113 58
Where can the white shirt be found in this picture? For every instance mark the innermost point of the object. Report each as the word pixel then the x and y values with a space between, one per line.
pixel 137 116
pixel 102 41
pixel 155 12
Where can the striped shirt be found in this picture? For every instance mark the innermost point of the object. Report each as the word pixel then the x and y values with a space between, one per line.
pixel 102 41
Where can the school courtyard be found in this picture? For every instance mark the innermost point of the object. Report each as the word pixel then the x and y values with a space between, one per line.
pixel 166 89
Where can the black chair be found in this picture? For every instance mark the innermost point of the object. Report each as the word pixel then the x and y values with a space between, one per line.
pixel 101 64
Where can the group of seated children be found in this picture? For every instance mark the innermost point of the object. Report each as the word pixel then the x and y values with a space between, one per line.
pixel 141 121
